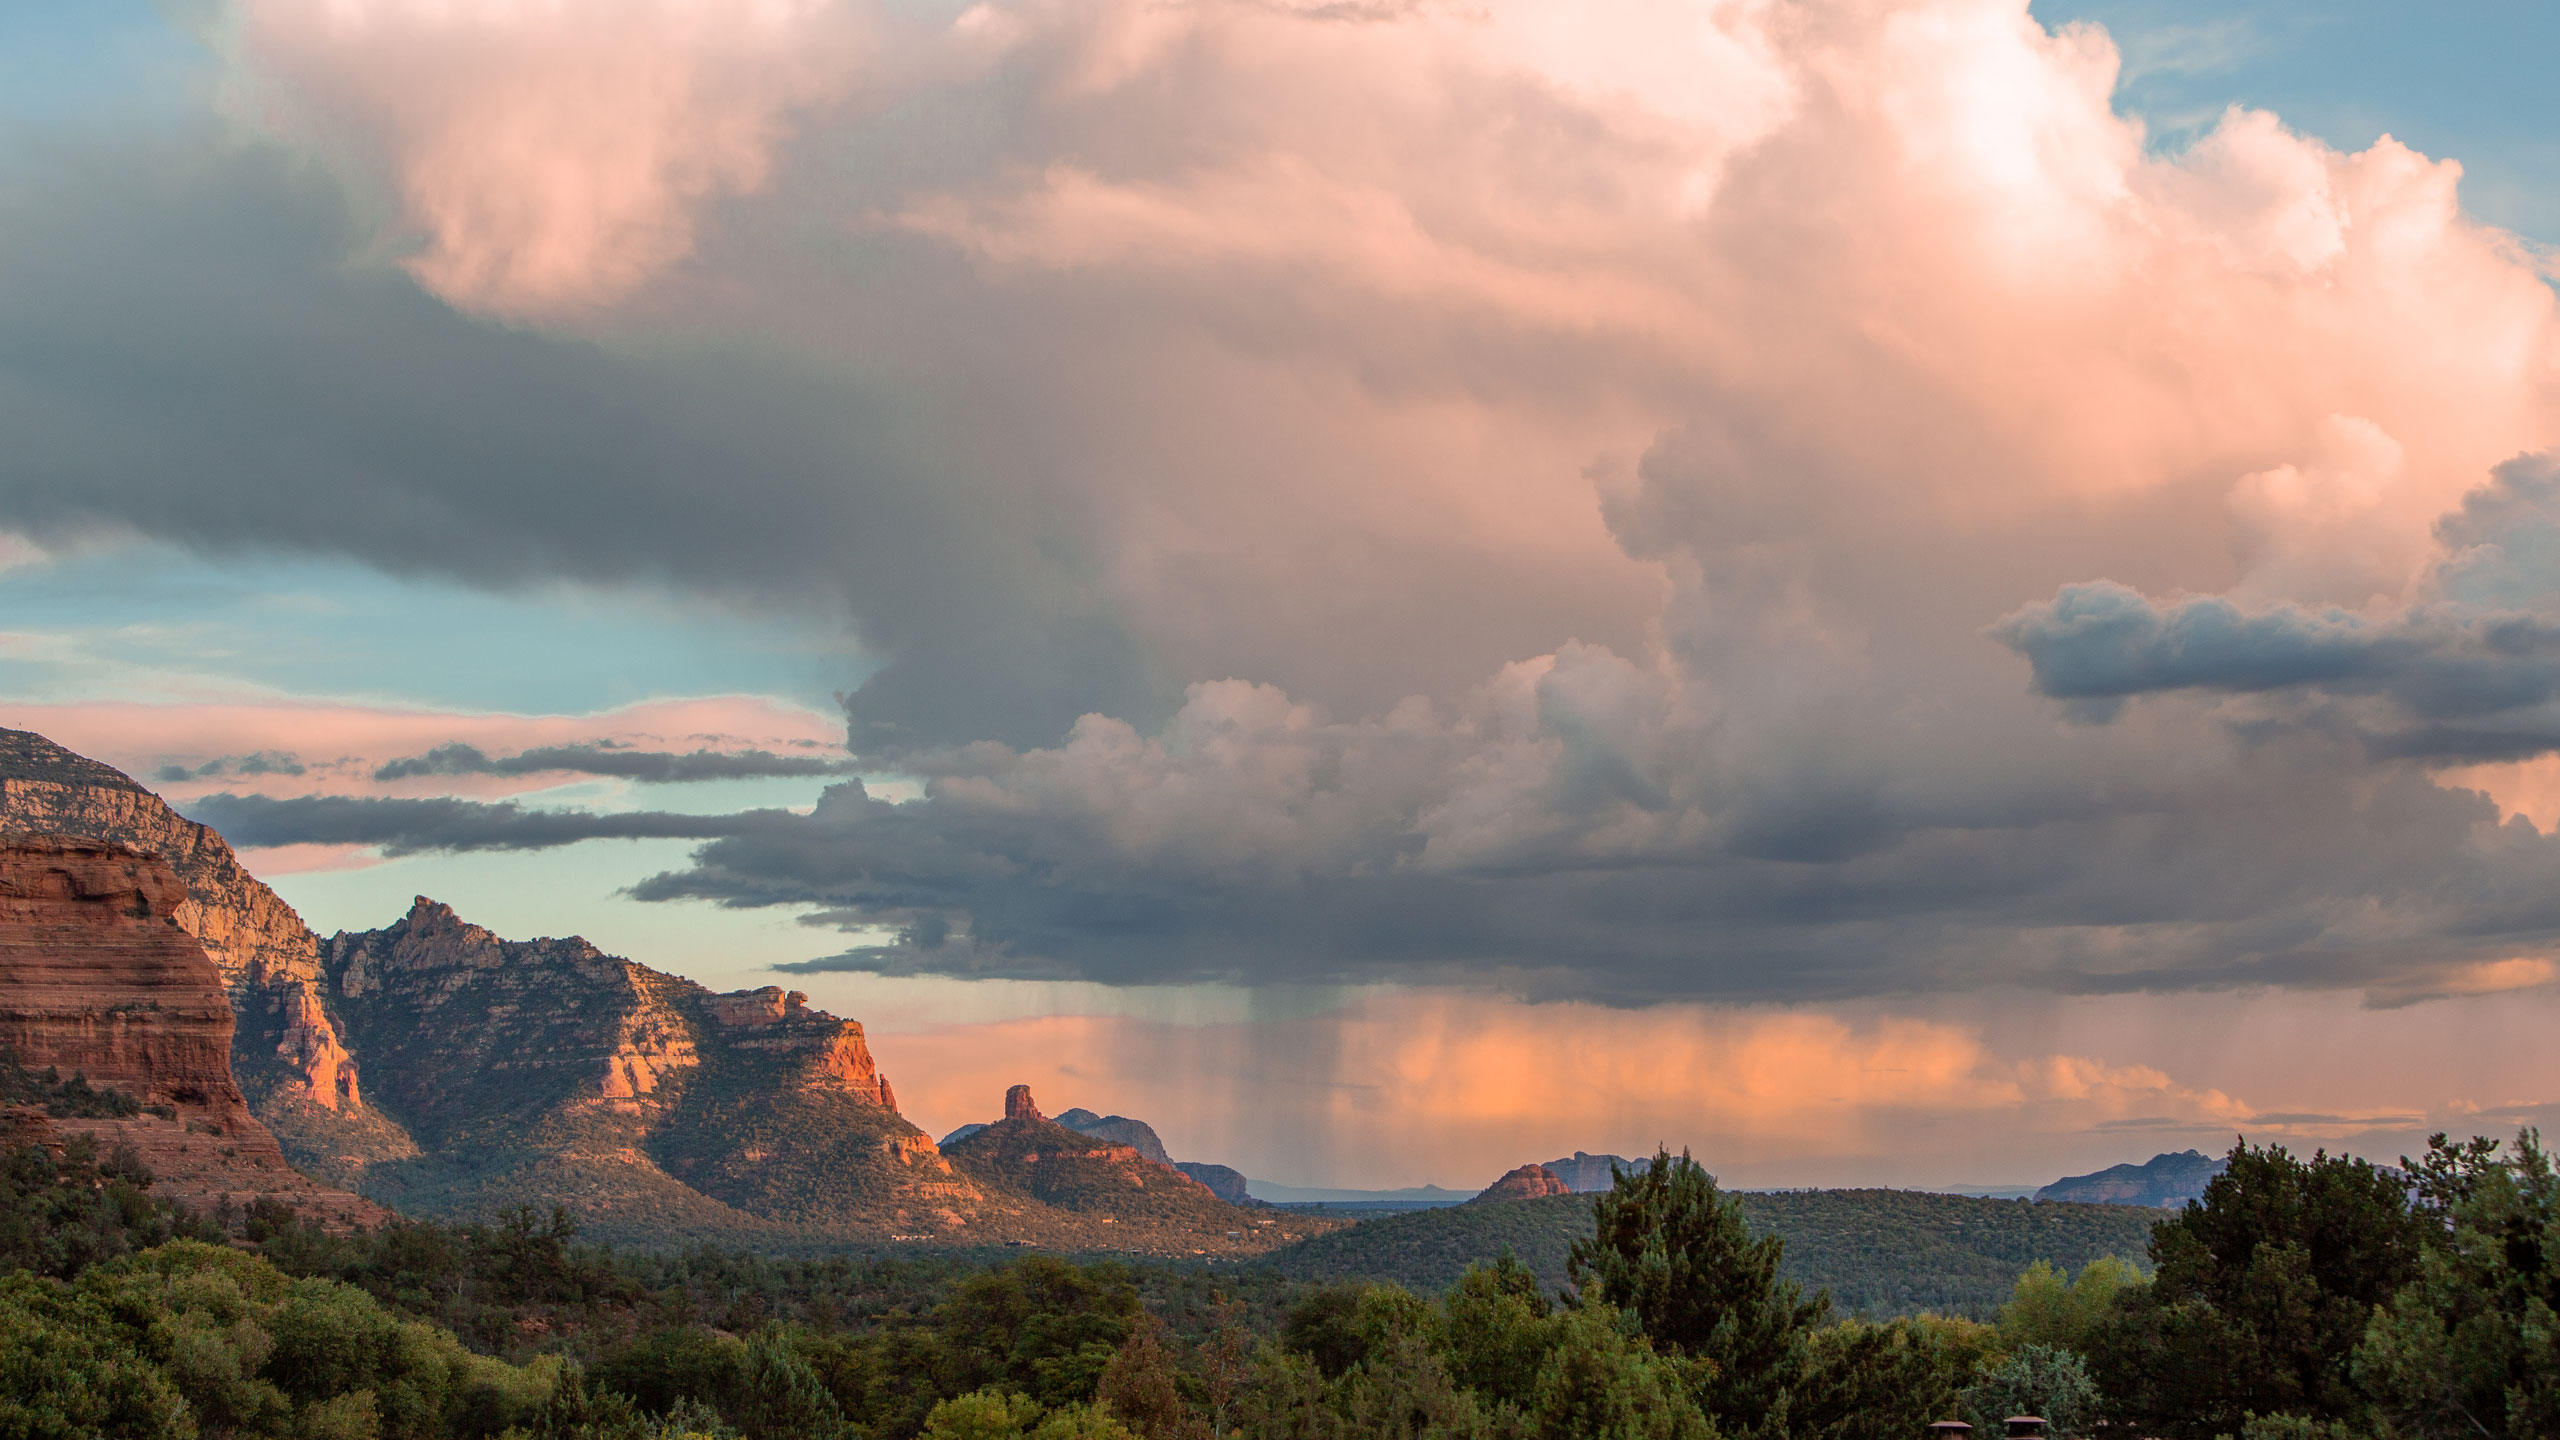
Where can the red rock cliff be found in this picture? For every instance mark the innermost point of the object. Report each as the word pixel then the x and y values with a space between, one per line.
pixel 289 1047
pixel 1529 1182
pixel 97 978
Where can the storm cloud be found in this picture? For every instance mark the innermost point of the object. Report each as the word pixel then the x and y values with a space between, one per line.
pixel 1525 498
pixel 2468 671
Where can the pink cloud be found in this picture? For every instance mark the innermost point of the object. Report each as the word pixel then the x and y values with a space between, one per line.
pixel 1408 287
pixel 550 154
pixel 273 860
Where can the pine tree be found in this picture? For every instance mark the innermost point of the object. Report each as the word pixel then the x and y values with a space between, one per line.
pixel 1678 1253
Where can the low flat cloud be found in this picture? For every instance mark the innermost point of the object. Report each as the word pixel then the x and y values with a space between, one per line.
pixel 261 762
pixel 408 827
pixel 658 767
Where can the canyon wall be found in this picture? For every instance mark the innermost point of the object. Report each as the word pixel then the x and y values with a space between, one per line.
pixel 99 979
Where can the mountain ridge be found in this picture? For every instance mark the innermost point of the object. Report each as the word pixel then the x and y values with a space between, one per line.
pixel 2168 1179
pixel 497 1073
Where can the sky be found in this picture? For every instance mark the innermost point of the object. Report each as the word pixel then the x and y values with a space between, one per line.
pixel 1917 592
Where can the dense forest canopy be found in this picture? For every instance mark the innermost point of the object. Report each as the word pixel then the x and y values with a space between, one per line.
pixel 2319 1298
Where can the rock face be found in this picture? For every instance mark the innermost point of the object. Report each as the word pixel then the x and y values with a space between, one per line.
pixel 1529 1182
pixel 98 977
pixel 288 1053
pixel 1585 1172
pixel 1223 1181
pixel 1138 1135
pixel 2168 1181
pixel 499 1072
pixel 547 1071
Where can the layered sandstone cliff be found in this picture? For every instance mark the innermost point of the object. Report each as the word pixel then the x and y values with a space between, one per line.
pixel 288 1053
pixel 99 979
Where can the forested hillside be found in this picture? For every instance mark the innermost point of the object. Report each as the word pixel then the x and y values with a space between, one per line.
pixel 1879 1252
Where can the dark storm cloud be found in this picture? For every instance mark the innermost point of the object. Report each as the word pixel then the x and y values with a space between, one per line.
pixel 659 767
pixel 191 348
pixel 2471 673
pixel 405 827
pixel 2239 884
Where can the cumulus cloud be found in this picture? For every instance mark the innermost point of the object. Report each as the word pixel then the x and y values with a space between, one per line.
pixel 550 156
pixel 1507 495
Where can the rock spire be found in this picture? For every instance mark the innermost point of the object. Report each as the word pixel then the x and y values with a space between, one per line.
pixel 1018 1104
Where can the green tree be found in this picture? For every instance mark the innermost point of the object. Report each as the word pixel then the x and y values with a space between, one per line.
pixel 780 1397
pixel 988 1414
pixel 1599 1382
pixel 1678 1253
pixel 1140 1387
pixel 66 1373
pixel 1890 1379
pixel 1325 1328
pixel 1039 1325
pixel 1496 1331
pixel 2051 1308
pixel 2472 1346
pixel 2260 1293
pixel 1404 1391
pixel 1082 1422
pixel 2040 1380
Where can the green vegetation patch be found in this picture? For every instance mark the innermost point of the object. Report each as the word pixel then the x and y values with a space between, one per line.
pixel 72 1099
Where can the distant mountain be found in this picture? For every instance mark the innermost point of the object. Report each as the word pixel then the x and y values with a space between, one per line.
pixel 2163 1180
pixel 1411 1197
pixel 1879 1252
pixel 1224 1182
pixel 1070 1185
pixel 1528 1182
pixel 1586 1172
pixel 1138 1135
